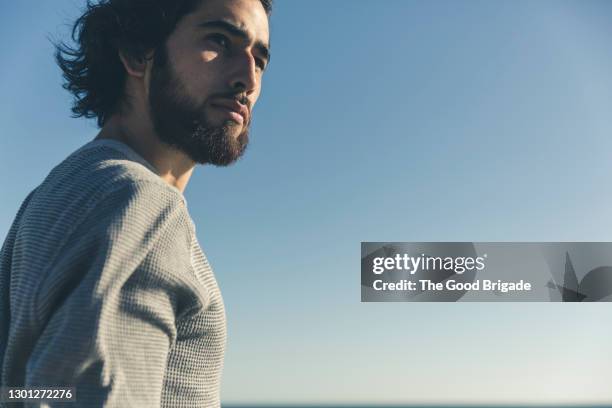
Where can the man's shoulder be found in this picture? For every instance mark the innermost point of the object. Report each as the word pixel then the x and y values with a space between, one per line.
pixel 99 203
pixel 107 181
pixel 102 167
pixel 105 165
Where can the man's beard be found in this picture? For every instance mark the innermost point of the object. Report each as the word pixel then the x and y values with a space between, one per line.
pixel 181 123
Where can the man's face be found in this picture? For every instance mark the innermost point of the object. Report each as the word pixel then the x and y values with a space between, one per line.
pixel 205 82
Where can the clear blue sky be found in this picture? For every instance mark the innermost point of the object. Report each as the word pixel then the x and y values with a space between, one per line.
pixel 380 121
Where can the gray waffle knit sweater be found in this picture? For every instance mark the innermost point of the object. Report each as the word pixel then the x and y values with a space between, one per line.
pixel 104 287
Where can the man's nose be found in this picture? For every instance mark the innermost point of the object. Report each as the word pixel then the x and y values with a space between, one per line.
pixel 244 77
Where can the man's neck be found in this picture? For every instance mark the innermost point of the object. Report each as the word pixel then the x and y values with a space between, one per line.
pixel 172 165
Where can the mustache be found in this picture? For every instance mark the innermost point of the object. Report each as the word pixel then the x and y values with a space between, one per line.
pixel 237 96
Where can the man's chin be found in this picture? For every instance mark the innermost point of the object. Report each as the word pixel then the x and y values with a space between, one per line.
pixel 227 150
pixel 220 145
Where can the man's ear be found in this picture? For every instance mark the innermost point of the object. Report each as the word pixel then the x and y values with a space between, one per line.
pixel 135 66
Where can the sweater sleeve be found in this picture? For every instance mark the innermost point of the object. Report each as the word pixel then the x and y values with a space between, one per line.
pixel 110 298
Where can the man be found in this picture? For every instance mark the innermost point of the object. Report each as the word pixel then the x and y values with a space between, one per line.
pixel 103 286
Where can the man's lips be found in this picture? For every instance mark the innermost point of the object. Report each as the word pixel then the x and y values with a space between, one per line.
pixel 238 111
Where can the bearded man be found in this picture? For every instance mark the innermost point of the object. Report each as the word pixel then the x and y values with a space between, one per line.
pixel 103 285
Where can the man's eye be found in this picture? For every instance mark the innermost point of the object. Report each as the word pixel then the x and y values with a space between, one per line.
pixel 260 63
pixel 219 39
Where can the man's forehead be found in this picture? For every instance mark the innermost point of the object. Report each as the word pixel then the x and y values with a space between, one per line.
pixel 248 16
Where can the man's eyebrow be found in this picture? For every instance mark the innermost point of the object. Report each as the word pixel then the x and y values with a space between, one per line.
pixel 239 32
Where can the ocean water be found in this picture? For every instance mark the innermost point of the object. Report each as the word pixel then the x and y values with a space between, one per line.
pixel 419 406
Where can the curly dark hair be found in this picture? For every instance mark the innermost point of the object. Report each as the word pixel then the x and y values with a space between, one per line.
pixel 92 69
